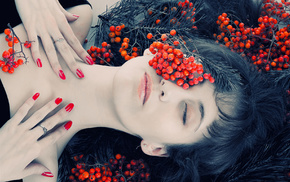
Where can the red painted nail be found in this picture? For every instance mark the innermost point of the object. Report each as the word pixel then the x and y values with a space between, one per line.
pixel 39 63
pixel 80 73
pixel 89 60
pixel 76 15
pixel 61 75
pixel 69 107
pixel 35 96
pixel 58 100
pixel 68 125
pixel 47 174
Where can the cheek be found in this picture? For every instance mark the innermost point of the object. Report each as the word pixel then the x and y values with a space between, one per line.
pixel 161 127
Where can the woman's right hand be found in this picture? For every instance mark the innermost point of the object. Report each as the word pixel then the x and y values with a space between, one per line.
pixel 46 23
pixel 22 141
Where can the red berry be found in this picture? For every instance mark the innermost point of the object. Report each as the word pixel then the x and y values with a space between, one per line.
pixel 6 54
pixel 173 32
pixel 112 28
pixel 7 31
pixel 104 44
pixel 118 28
pixel 20 61
pixel 118 156
pixel 5 68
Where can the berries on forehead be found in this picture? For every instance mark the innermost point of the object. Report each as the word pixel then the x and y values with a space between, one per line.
pixel 172 64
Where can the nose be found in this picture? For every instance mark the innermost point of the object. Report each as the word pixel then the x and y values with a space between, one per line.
pixel 166 90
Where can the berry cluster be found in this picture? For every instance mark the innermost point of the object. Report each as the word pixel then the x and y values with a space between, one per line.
pixel 127 52
pixel 101 55
pixel 181 16
pixel 115 33
pixel 117 170
pixel 8 62
pixel 266 46
pixel 104 55
pixel 170 62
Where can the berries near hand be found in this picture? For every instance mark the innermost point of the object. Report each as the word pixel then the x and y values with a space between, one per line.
pixel 9 60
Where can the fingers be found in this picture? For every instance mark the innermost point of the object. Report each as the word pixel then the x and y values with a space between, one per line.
pixel 53 121
pixel 75 44
pixel 32 37
pixel 23 110
pixel 50 51
pixel 40 114
pixel 69 16
pixel 36 168
pixel 55 135
pixel 65 51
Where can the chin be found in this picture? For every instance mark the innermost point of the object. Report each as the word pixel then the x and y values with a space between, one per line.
pixel 126 82
pixel 125 86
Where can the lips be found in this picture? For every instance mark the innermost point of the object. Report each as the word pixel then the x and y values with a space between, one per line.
pixel 144 89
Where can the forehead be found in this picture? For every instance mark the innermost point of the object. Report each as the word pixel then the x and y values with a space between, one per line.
pixel 205 95
pixel 194 130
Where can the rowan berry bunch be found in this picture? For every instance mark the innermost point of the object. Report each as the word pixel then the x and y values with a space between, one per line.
pixel 127 52
pixel 170 62
pixel 265 46
pixel 181 15
pixel 116 170
pixel 10 57
pixel 101 55
pixel 104 55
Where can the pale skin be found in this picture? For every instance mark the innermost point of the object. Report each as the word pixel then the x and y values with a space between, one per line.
pixel 46 22
pixel 98 102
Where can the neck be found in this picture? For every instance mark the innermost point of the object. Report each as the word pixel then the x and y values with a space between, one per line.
pixel 93 99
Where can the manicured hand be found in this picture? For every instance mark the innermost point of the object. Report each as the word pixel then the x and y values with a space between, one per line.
pixel 21 141
pixel 48 21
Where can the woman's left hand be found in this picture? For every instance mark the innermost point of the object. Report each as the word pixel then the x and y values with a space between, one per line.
pixel 48 20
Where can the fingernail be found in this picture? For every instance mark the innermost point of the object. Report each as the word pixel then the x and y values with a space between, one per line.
pixel 47 174
pixel 76 15
pixel 69 107
pixel 35 96
pixel 68 125
pixel 58 100
pixel 89 60
pixel 80 73
pixel 61 75
pixel 39 63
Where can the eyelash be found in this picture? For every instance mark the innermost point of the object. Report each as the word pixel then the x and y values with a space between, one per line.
pixel 185 114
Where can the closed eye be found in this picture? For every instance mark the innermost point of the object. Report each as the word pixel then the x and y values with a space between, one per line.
pixel 184 114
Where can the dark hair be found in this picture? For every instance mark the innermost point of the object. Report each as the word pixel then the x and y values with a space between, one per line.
pixel 251 105
pixel 256 112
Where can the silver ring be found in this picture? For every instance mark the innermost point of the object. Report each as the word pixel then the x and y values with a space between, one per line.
pixel 58 40
pixel 44 129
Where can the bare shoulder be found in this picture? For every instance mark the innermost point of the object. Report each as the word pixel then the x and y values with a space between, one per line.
pixel 82 25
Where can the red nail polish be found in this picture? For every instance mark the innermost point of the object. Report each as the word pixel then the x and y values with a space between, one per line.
pixel 89 60
pixel 68 125
pixel 69 107
pixel 76 15
pixel 47 174
pixel 80 73
pixel 35 96
pixel 39 63
pixel 58 100
pixel 61 75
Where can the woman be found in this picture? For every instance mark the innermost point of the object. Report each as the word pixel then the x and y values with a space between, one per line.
pixel 115 101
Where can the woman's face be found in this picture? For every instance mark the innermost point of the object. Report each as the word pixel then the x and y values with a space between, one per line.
pixel 158 110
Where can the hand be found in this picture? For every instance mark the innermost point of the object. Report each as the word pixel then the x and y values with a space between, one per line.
pixel 21 143
pixel 48 20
